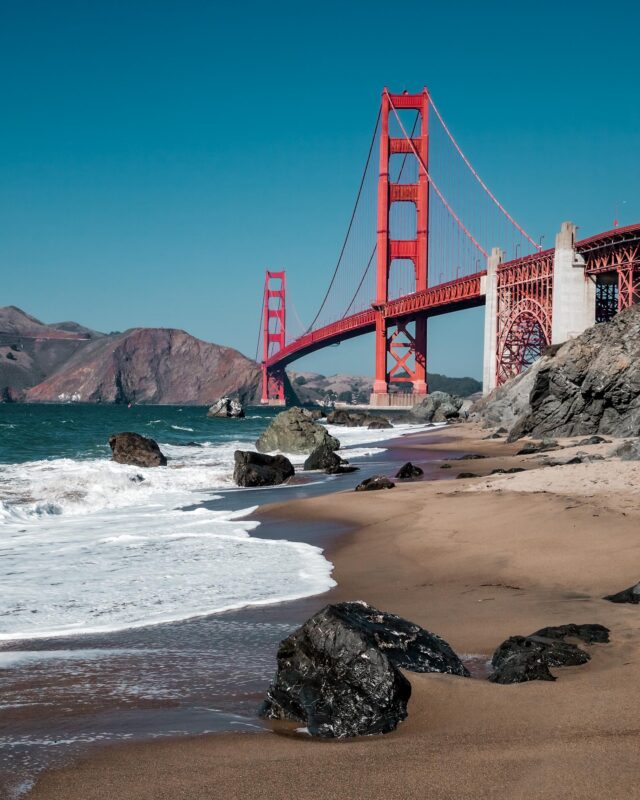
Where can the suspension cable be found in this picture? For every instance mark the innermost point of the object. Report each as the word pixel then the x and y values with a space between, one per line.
pixel 261 319
pixel 479 179
pixel 353 214
pixel 443 200
pixel 375 246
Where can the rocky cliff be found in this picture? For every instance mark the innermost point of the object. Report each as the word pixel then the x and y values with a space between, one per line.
pixel 588 385
pixel 151 365
pixel 67 361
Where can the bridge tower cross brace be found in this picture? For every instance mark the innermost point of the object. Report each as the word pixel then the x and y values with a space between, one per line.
pixel 394 348
pixel 273 336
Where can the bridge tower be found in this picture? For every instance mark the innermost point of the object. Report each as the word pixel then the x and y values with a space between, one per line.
pixel 273 336
pixel 396 346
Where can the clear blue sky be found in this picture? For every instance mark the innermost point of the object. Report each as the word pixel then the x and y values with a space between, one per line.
pixel 156 156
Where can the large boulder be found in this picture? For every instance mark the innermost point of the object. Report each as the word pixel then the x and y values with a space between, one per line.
pixel 409 471
pixel 507 403
pixel 591 385
pixel 132 448
pixel 257 469
pixel 437 407
pixel 339 673
pixel 226 407
pixel 323 457
pixel 527 658
pixel 293 431
pixel 375 483
pixel 630 595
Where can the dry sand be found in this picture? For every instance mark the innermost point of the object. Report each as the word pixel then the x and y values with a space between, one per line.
pixel 475 561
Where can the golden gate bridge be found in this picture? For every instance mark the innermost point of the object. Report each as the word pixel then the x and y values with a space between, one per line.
pixel 426 236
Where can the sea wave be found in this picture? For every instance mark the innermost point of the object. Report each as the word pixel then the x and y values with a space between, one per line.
pixel 90 545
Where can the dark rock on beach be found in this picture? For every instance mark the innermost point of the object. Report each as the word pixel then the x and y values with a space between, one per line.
pixel 509 471
pixel 293 431
pixel 341 469
pixel 470 457
pixel 630 595
pixel 379 424
pixel 257 469
pixel 528 658
pixel 339 672
pixel 132 448
pixel 593 440
pixel 409 471
pixel 374 483
pixel 467 475
pixel 323 457
pixel 543 446
pixel 357 419
pixel 591 633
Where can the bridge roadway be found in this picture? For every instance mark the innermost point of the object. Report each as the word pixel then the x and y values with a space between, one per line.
pixel 604 252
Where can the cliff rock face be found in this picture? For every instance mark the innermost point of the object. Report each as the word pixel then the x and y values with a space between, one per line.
pixel 151 365
pixel 588 385
pixel 591 384
pixel 31 350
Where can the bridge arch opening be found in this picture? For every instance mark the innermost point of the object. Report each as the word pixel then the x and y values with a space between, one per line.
pixel 402 278
pixel 403 168
pixel 403 220
pixel 526 336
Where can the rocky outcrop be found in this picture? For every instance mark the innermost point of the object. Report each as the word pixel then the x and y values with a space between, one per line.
pixel 374 483
pixel 507 403
pixel 409 471
pixel 527 658
pixel 437 407
pixel 591 385
pixel 339 674
pixel 226 407
pixel 630 595
pixel 357 419
pixel 257 469
pixel 132 448
pixel 323 457
pixel 293 431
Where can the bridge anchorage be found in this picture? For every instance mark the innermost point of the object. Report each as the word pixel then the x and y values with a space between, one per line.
pixel 442 242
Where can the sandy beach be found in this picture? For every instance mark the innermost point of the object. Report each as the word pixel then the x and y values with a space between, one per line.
pixel 475 561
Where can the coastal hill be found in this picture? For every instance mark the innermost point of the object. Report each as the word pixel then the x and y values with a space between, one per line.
pixel 65 361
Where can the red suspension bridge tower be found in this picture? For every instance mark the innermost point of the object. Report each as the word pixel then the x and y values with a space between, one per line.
pixel 401 355
pixel 273 336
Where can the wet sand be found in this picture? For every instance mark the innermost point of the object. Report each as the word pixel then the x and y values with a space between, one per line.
pixel 475 561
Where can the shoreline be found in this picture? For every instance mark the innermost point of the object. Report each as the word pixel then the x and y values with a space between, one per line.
pixel 200 672
pixel 474 561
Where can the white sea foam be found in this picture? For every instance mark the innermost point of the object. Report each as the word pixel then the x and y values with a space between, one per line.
pixel 91 545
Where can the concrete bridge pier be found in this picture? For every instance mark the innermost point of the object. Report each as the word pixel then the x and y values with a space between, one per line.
pixel 489 288
pixel 574 294
pixel 569 304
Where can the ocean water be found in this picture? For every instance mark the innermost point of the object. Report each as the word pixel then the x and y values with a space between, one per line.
pixel 136 604
pixel 91 546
